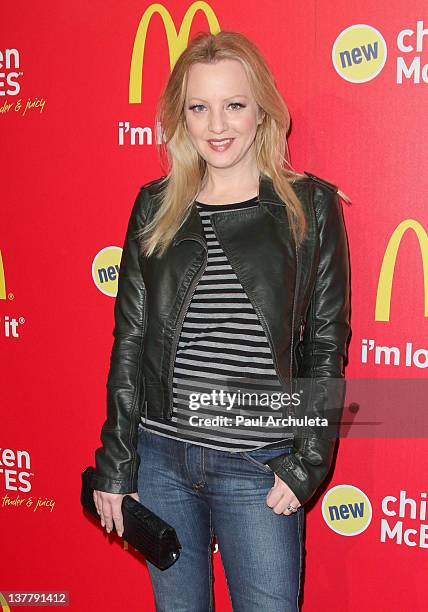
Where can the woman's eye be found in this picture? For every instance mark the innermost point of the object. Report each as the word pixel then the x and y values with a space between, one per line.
pixel 196 106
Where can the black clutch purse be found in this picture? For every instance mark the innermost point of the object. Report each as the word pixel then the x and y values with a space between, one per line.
pixel 142 528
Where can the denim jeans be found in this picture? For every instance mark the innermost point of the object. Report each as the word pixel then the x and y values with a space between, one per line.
pixel 201 491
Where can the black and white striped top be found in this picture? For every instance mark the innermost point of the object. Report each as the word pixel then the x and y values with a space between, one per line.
pixel 222 345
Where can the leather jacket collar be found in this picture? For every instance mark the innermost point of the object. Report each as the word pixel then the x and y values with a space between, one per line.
pixel 192 227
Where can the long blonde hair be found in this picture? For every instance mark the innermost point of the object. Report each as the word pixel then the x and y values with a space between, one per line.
pixel 186 170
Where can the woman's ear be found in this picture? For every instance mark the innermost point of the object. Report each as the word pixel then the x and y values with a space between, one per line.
pixel 261 115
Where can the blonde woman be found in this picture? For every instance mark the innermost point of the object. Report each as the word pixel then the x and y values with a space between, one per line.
pixel 234 278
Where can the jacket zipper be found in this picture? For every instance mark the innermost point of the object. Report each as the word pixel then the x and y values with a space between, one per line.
pixel 142 383
pixel 179 325
pixel 296 289
pixel 301 333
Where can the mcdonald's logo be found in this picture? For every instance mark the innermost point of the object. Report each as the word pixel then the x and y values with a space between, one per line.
pixel 177 41
pixel 2 281
pixel 384 288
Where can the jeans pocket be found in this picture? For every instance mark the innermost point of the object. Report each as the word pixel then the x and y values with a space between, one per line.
pixel 259 456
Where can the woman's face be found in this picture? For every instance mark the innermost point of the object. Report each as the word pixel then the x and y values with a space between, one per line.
pixel 221 114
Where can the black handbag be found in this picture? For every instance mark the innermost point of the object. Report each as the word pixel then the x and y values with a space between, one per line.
pixel 142 528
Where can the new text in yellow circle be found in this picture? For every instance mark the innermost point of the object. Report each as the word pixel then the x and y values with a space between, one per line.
pixel 359 53
pixel 347 510
pixel 105 270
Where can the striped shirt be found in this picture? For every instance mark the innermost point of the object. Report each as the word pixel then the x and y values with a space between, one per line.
pixel 222 346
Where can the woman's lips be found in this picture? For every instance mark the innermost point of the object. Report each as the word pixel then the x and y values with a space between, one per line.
pixel 220 145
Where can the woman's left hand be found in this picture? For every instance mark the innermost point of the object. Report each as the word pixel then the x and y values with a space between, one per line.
pixel 281 497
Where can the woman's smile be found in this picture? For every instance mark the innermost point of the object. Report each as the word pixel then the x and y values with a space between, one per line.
pixel 220 145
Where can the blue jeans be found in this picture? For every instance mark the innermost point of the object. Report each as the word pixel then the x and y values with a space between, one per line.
pixel 201 491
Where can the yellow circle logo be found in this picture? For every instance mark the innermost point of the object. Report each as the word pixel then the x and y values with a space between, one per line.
pixel 359 53
pixel 105 269
pixel 347 510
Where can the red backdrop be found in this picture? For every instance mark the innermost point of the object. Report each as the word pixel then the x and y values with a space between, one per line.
pixel 71 169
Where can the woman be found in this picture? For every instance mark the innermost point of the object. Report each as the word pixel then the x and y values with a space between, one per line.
pixel 234 278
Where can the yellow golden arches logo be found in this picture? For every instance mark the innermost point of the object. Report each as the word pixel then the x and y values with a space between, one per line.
pixel 2 281
pixel 3 603
pixel 384 288
pixel 177 42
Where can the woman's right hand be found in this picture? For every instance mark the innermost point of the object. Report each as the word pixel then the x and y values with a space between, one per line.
pixel 109 507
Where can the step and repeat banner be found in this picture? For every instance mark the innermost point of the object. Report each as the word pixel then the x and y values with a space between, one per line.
pixel 79 82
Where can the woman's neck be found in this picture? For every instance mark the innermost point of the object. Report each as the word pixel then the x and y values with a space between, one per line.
pixel 231 190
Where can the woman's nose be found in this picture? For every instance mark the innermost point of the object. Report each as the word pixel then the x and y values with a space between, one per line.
pixel 217 121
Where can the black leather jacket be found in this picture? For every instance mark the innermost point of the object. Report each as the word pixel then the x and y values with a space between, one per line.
pixel 301 297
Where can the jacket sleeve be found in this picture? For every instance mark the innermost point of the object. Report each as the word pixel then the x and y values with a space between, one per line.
pixel 324 353
pixel 117 460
